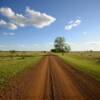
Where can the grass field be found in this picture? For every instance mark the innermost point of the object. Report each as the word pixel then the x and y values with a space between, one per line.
pixel 16 63
pixel 88 62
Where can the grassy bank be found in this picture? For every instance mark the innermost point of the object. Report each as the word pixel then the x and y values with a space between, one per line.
pixel 89 64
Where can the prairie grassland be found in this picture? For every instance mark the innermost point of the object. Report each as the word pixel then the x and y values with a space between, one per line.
pixel 15 64
pixel 87 62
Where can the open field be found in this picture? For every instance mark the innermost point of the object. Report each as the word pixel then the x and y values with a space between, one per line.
pixel 88 62
pixel 52 79
pixel 14 64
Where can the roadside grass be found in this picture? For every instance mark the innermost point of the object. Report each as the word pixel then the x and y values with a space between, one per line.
pixel 84 64
pixel 94 56
pixel 12 67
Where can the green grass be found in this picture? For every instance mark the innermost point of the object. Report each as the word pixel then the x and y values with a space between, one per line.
pixel 12 67
pixel 84 64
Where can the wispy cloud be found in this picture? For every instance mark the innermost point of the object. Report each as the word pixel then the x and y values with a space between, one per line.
pixel 72 24
pixel 84 46
pixel 21 45
pixel 31 18
pixel 96 43
pixel 6 33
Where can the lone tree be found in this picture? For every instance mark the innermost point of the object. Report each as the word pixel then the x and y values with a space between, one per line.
pixel 61 45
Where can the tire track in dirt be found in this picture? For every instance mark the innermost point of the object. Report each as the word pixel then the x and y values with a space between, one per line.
pixel 64 87
pixel 52 79
pixel 88 87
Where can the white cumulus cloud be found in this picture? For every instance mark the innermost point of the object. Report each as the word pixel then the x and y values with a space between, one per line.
pixel 7 12
pixel 72 24
pixel 8 25
pixel 38 19
pixel 31 18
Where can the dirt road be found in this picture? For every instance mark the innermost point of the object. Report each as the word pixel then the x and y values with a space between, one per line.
pixel 52 79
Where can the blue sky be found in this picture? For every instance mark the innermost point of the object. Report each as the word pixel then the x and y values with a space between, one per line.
pixel 34 24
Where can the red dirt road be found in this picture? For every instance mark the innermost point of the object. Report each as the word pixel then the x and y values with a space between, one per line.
pixel 52 79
